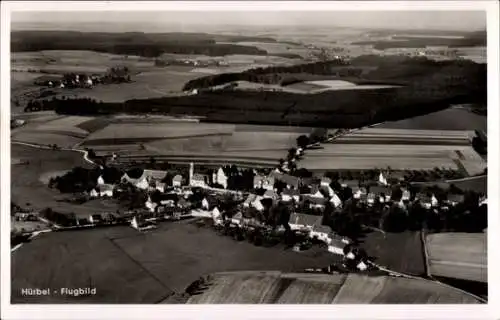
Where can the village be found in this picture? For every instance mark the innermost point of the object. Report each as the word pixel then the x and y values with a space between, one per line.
pixel 260 205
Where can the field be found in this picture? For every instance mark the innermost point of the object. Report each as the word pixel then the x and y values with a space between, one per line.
pixel 48 129
pixel 285 288
pixel 27 181
pixel 458 255
pixel 401 252
pixel 399 149
pixel 152 264
pixel 449 119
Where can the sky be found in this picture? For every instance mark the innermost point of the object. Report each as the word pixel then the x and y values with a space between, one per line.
pixel 164 21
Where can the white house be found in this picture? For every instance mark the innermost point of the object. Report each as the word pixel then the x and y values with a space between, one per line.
pixel 406 195
pixel 237 219
pixel 318 194
pixel 204 204
pixel 150 205
pixel 177 181
pixel 325 181
pixel 336 243
pixel 335 200
pixel 216 215
pixel 357 192
pixel 290 194
pixel 382 179
pixel 221 178
pixel 257 204
pixel 300 221
pixel 106 190
pixel 100 180
pixel 198 180
pixel 321 233
pixel 93 193
pixel 160 186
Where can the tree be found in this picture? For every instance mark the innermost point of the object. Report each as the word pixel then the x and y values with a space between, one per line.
pixel 318 135
pixel 303 141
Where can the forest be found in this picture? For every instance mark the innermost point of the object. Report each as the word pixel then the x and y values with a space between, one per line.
pixel 134 43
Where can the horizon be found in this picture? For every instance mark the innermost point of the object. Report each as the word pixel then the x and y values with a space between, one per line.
pixel 185 21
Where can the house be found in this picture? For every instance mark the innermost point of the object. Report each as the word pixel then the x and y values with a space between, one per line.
pixel 142 225
pixel 381 193
pixel 95 218
pixel 248 202
pixel 337 244
pixel 291 182
pixel 371 199
pixel 335 201
pixel 257 205
pixel 483 201
pixel 270 194
pixel 220 178
pixel 105 190
pixel 177 181
pixel 198 180
pixel 454 199
pixel 382 179
pixel 320 232
pixel 315 202
pixel 216 215
pixel 327 190
pixel 263 182
pixel 349 184
pixel 325 181
pixel 317 194
pixel 160 186
pixel 183 203
pixel 93 193
pixel 427 201
pixel 358 192
pixel 204 204
pixel 100 181
pixel 300 221
pixel 406 195
pixel 290 195
pixel 237 219
pixel 151 205
pixel 154 175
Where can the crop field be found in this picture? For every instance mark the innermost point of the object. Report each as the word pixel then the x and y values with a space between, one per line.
pixel 60 130
pixel 458 255
pixel 401 252
pixel 180 253
pixel 152 264
pixel 80 259
pixel 399 149
pixel 449 119
pixel 28 187
pixel 276 287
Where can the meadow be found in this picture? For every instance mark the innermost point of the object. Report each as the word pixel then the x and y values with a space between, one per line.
pixel 153 265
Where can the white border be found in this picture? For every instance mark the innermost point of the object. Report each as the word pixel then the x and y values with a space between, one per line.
pixel 274 312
